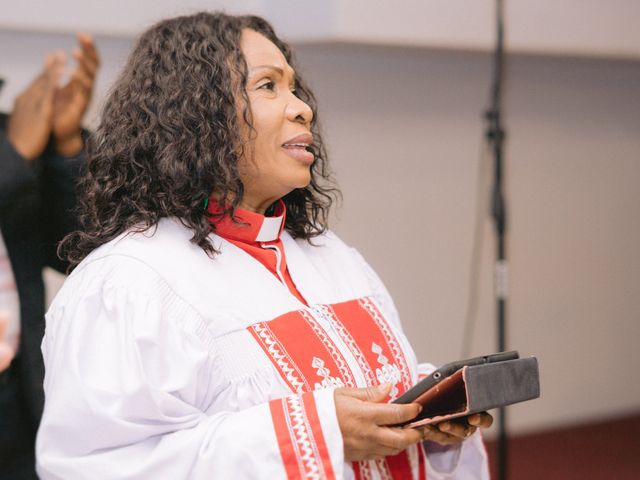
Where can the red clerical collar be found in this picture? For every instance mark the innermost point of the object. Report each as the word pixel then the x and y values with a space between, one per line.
pixel 250 226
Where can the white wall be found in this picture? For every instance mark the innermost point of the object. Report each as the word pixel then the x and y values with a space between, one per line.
pixel 577 27
pixel 405 131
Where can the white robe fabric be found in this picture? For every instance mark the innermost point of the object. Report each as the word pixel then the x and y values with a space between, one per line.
pixel 153 368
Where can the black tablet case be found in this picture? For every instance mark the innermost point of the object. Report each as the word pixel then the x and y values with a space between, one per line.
pixel 479 388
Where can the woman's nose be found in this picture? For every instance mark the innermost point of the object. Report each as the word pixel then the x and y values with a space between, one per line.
pixel 298 110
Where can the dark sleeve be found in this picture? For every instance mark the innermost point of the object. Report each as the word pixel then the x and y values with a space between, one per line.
pixel 59 180
pixel 16 173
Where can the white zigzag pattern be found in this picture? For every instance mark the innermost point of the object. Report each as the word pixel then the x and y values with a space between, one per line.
pixel 351 345
pixel 309 460
pixel 281 358
pixel 345 372
pixel 365 470
pixel 390 338
pixel 383 470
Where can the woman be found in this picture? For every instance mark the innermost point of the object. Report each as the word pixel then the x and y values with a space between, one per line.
pixel 213 327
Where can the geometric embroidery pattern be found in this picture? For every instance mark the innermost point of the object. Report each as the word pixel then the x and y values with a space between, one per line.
pixel 317 362
pixel 368 305
pixel 302 447
pixel 279 355
pixel 350 342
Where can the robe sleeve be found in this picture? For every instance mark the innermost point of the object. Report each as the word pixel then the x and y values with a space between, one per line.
pixel 466 461
pixel 16 173
pixel 59 178
pixel 51 179
pixel 130 394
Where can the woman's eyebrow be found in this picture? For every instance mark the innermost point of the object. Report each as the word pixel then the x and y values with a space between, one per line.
pixel 273 67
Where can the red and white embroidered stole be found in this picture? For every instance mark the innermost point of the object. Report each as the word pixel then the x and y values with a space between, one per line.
pixel 302 447
pixel 308 358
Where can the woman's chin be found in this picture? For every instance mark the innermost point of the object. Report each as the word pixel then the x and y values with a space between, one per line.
pixel 304 179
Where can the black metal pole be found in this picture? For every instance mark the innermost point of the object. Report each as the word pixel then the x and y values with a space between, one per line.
pixel 495 137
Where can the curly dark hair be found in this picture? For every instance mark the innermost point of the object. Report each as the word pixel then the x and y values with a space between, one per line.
pixel 169 136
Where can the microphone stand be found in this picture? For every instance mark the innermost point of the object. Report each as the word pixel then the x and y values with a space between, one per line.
pixel 495 137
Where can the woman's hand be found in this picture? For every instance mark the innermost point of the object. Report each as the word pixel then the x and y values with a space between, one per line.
pixel 456 431
pixel 362 416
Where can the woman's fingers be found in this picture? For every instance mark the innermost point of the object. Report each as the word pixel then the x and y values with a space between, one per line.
pixel 398 439
pixel 482 420
pixel 363 422
pixel 380 413
pixel 460 430
pixel 375 394
pixel 366 422
pixel 433 434
pixel 394 413
pixel 382 442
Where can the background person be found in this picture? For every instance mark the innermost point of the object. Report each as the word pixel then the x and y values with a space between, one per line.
pixel 40 157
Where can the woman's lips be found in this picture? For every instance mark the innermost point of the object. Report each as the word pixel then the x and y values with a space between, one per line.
pixel 299 152
pixel 296 147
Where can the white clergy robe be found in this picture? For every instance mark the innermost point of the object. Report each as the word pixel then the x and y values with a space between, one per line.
pixel 162 362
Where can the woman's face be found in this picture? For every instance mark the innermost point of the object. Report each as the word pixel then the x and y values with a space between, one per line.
pixel 275 160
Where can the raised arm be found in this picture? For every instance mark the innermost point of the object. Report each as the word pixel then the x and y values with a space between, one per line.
pixel 25 133
pixel 65 157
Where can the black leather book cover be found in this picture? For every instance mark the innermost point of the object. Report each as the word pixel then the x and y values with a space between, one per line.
pixel 479 388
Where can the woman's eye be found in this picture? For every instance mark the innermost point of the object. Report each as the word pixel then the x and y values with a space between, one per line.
pixel 267 86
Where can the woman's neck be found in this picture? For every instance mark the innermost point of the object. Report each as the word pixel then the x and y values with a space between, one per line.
pixel 257 205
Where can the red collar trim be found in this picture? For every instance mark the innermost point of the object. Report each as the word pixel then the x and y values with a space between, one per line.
pixel 250 226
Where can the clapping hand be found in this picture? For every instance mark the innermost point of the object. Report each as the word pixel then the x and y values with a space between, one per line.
pixel 30 122
pixel 44 109
pixel 71 101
